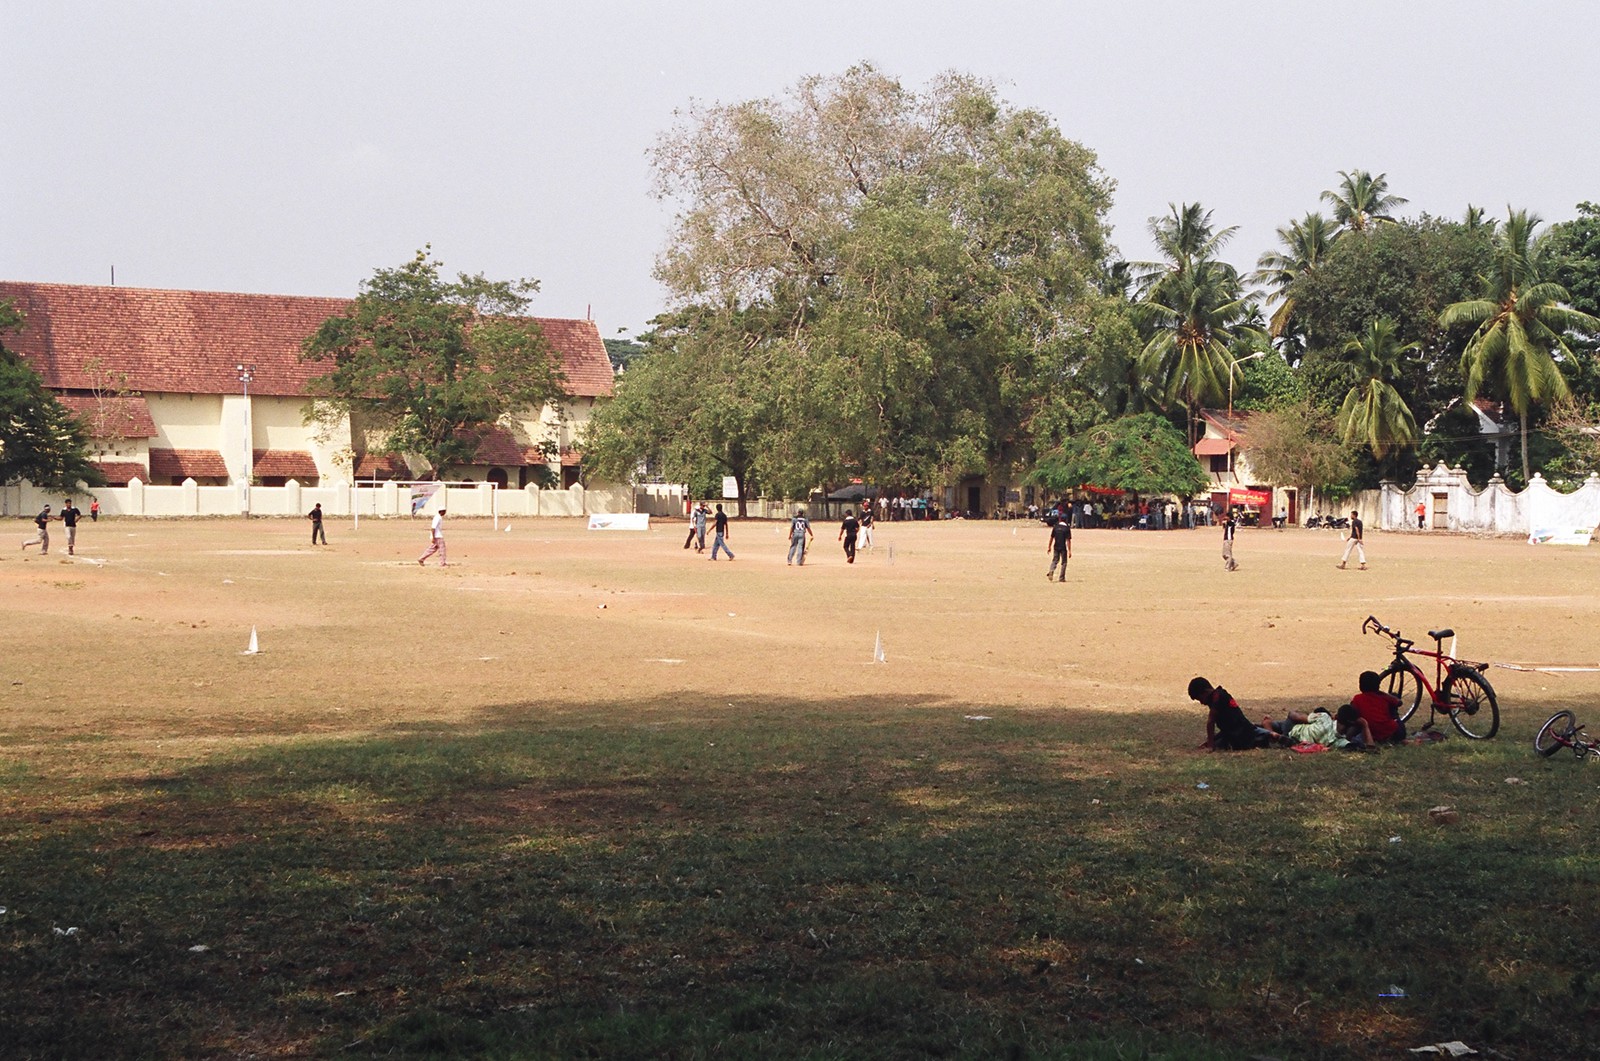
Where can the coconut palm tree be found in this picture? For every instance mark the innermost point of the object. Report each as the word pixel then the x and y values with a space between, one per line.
pixel 1519 324
pixel 1305 244
pixel 1184 237
pixel 1474 219
pixel 1362 200
pixel 1373 413
pixel 1196 315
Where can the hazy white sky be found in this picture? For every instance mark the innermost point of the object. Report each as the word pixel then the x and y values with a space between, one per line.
pixel 293 147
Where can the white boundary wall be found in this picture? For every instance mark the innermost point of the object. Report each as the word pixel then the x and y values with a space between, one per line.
pixel 386 500
pixel 1496 509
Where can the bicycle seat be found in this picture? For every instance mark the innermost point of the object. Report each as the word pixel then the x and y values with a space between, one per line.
pixel 1440 635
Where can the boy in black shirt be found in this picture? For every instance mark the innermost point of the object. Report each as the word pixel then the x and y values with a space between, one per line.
pixel 1059 547
pixel 1226 727
pixel 69 519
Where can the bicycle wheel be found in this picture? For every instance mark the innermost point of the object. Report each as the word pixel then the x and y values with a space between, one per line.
pixel 1401 681
pixel 1555 734
pixel 1473 707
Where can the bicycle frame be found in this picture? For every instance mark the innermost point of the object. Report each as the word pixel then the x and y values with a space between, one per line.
pixel 1459 691
pixel 1563 730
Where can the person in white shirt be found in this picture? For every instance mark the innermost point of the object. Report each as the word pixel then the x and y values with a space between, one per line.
pixel 436 543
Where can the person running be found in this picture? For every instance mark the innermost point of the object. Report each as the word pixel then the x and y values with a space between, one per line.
pixel 69 520
pixel 1354 542
pixel 1229 525
pixel 799 532
pixel 1059 546
pixel 315 516
pixel 41 536
pixel 848 530
pixel 719 525
pixel 436 543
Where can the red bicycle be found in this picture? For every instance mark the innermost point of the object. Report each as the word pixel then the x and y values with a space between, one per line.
pixel 1563 730
pixel 1458 690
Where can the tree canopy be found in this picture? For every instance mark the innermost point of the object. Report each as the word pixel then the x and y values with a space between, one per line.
pixel 40 439
pixel 1143 454
pixel 901 286
pixel 1520 323
pixel 430 364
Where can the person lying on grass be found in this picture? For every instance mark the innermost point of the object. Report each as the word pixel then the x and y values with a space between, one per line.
pixel 1353 729
pixel 1226 727
pixel 1380 709
pixel 1299 727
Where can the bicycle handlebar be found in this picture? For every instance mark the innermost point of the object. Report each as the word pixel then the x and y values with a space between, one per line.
pixel 1373 626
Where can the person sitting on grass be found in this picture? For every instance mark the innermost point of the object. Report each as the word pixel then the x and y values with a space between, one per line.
pixel 1226 727
pixel 1299 727
pixel 1380 709
pixel 1353 729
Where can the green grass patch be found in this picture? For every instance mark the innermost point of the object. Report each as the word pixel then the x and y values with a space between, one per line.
pixel 803 881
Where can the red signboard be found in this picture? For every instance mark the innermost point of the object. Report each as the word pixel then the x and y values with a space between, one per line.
pixel 1239 495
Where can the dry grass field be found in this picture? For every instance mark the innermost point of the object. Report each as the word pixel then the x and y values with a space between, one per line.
pixel 587 794
pixel 138 638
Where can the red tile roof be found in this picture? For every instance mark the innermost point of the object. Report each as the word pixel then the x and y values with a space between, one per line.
pixel 190 342
pixel 371 466
pixel 112 417
pixel 496 446
pixel 117 473
pixel 289 464
pixel 196 463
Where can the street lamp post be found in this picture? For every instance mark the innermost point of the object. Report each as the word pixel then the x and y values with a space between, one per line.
pixel 1233 367
pixel 246 375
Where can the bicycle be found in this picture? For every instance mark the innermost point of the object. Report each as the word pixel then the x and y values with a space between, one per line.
pixel 1561 730
pixel 1459 690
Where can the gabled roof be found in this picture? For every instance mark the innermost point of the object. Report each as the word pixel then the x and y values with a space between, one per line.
pixel 190 342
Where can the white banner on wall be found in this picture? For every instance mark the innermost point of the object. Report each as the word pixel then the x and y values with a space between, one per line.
pixel 621 521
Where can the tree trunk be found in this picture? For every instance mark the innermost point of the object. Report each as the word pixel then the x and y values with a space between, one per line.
pixel 1522 418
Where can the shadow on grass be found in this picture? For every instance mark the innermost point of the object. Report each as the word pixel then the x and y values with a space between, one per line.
pixel 804 879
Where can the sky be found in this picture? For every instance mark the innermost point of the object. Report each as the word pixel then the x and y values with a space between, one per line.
pixel 293 147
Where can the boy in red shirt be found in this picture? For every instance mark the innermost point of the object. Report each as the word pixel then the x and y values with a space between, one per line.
pixel 1379 709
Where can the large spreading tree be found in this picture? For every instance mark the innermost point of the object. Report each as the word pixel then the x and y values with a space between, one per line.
pixel 428 364
pixel 40 439
pixel 895 285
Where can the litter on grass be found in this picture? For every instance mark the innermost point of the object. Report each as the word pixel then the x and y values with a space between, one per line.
pixel 254 647
pixel 977 718
pixel 1453 1048
pixel 1202 786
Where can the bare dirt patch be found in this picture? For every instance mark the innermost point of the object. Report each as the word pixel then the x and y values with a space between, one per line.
pixel 139 638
